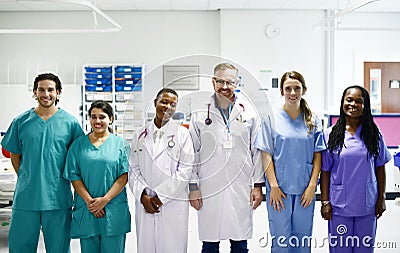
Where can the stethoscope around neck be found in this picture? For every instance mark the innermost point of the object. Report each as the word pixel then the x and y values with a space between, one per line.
pixel 170 143
pixel 208 120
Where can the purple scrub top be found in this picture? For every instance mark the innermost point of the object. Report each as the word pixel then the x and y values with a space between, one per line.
pixel 353 189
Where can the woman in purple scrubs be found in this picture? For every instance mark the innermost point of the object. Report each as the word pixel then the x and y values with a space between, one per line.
pixel 353 175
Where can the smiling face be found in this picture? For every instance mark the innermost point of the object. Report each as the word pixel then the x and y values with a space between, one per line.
pixel 46 93
pixel 292 90
pixel 353 103
pixel 99 120
pixel 224 82
pixel 165 105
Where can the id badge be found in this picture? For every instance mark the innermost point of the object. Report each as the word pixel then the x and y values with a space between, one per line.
pixel 229 143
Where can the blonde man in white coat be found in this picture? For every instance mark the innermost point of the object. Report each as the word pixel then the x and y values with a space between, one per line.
pixel 160 169
pixel 227 177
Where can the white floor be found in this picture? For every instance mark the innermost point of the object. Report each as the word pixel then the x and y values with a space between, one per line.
pixel 387 233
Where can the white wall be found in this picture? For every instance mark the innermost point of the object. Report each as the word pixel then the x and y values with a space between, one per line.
pixel 301 47
pixel 155 37
pixel 149 37
pixel 298 47
pixel 356 47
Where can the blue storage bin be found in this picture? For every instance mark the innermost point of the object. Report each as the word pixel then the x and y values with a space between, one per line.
pixel 98 76
pixel 91 87
pixel 98 69
pixel 119 87
pixel 137 88
pixel 128 87
pixel 128 75
pixel 128 81
pixel 127 69
pixel 99 81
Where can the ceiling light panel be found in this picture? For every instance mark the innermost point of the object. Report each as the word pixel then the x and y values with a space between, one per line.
pixel 152 4
pixel 115 5
pixel 189 4
pixel 272 4
pixel 227 4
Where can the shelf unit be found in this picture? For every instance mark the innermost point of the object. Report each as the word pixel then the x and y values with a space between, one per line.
pixel 122 86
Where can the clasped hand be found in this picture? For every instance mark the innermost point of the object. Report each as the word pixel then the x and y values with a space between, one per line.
pixel 96 206
pixel 151 204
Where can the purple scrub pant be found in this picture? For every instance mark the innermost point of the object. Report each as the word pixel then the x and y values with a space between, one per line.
pixel 352 234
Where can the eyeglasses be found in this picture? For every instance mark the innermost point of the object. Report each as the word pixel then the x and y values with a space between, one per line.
pixel 222 82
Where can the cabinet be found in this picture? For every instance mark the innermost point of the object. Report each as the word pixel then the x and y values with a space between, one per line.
pixel 121 86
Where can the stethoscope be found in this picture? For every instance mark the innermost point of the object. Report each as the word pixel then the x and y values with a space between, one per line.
pixel 208 120
pixel 144 134
pixel 170 143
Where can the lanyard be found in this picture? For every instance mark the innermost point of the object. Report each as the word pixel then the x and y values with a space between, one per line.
pixel 226 118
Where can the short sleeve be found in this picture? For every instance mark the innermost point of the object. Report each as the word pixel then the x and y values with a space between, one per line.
pixel 72 171
pixel 384 154
pixel 11 139
pixel 327 157
pixel 124 158
pixel 77 130
pixel 264 139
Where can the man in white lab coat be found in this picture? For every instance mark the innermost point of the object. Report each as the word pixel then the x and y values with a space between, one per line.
pixel 227 177
pixel 159 173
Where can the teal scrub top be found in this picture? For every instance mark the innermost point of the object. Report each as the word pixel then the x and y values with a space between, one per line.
pixel 99 168
pixel 43 145
pixel 291 147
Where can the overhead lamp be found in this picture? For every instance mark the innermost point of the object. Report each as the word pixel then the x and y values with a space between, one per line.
pixel 324 24
pixel 116 27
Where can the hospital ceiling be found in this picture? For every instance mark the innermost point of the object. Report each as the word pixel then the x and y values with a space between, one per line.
pixel 108 5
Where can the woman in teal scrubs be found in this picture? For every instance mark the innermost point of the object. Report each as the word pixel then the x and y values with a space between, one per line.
pixel 97 164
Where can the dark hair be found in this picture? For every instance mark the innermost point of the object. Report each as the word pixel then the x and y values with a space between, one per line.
pixel 106 107
pixel 166 90
pixel 370 133
pixel 48 76
pixel 305 109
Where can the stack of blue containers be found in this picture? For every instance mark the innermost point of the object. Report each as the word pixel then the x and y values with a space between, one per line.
pixel 128 78
pixel 98 78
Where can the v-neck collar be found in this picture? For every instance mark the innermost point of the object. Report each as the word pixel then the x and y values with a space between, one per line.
pixel 356 133
pixel 47 120
pixel 286 114
pixel 99 147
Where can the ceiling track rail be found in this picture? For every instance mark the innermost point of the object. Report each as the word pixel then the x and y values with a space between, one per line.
pixel 325 24
pixel 116 27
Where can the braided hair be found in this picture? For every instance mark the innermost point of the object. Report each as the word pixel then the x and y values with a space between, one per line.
pixel 370 133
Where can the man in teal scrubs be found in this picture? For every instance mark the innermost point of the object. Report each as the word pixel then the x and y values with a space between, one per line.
pixel 38 141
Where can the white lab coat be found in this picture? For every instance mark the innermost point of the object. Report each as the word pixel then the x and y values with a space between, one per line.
pixel 164 171
pixel 226 175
